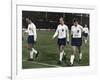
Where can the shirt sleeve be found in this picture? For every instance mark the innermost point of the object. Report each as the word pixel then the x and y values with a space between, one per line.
pixel 56 33
pixel 67 33
pixel 34 31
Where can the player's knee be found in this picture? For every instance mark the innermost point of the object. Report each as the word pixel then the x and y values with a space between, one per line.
pixel 73 50
pixel 61 49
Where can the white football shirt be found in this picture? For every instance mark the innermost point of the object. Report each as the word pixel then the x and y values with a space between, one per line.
pixel 76 31
pixel 62 31
pixel 32 30
pixel 85 30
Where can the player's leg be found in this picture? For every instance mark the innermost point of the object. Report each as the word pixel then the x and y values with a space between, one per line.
pixel 59 62
pixel 35 52
pixel 30 46
pixel 86 38
pixel 74 45
pixel 64 56
pixel 80 52
pixel 72 57
pixel 30 52
pixel 79 48
pixel 61 52
pixel 61 44
pixel 33 49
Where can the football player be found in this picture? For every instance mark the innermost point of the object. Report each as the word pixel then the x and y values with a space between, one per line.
pixel 62 32
pixel 85 33
pixel 76 40
pixel 32 37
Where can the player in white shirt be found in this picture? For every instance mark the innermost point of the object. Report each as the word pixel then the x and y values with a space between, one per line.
pixel 61 32
pixel 32 37
pixel 76 40
pixel 85 33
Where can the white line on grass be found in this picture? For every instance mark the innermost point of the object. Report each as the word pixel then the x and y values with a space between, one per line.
pixel 45 64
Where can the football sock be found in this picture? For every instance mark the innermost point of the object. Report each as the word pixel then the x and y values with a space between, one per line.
pixel 31 54
pixel 72 59
pixel 61 56
pixel 34 50
pixel 85 41
pixel 80 55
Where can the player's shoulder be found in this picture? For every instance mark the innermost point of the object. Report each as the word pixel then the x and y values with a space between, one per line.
pixel 72 26
pixel 80 26
pixel 59 25
pixel 33 25
pixel 86 27
pixel 65 25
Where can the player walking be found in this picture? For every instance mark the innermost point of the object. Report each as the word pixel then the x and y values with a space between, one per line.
pixel 32 36
pixel 76 40
pixel 85 33
pixel 61 32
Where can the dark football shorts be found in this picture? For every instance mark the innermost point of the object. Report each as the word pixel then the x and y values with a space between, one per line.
pixel 31 39
pixel 76 41
pixel 61 41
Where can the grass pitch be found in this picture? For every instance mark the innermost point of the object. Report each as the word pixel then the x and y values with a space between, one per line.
pixel 49 55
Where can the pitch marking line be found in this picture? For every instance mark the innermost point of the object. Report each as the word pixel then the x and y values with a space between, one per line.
pixel 45 64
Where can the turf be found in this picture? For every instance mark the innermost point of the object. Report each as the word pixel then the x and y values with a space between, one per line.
pixel 49 52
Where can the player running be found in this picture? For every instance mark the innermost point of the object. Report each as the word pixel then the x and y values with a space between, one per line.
pixel 76 40
pixel 85 33
pixel 61 32
pixel 32 36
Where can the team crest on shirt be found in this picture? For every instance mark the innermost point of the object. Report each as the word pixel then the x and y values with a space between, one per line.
pixel 77 31
pixel 62 30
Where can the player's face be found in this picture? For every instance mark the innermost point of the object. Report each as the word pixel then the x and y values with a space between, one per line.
pixel 61 21
pixel 75 23
pixel 85 25
pixel 27 20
